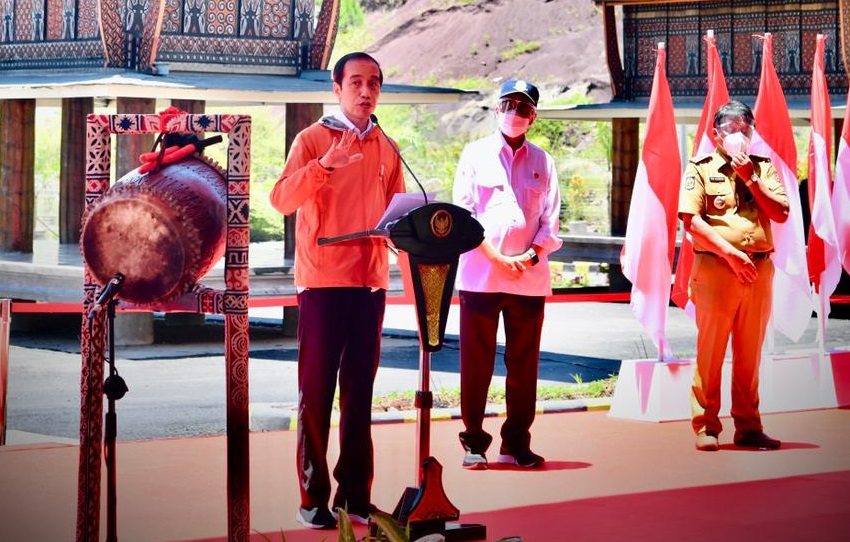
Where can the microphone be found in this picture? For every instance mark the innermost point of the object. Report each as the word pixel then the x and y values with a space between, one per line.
pixel 109 290
pixel 374 120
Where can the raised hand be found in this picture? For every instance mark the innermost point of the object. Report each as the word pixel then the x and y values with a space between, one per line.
pixel 339 153
pixel 743 166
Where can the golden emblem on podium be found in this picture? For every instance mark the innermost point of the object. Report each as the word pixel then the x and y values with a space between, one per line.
pixel 441 223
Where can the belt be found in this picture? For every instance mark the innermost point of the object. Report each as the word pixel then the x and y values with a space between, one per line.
pixel 752 255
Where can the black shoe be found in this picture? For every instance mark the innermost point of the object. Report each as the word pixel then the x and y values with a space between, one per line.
pixel 756 439
pixel 526 459
pixel 474 461
pixel 315 518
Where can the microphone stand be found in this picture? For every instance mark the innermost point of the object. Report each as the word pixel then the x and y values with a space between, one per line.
pixel 114 387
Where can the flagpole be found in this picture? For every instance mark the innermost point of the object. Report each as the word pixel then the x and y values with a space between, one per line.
pixel 821 329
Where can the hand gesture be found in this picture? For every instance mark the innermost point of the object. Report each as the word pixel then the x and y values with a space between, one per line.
pixel 339 153
pixel 743 267
pixel 743 166
pixel 512 265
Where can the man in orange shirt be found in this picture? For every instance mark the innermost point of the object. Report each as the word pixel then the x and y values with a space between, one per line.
pixel 340 176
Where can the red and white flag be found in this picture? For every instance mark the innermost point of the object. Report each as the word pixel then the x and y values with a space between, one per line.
pixel 717 95
pixel 841 191
pixel 647 255
pixel 774 138
pixel 822 252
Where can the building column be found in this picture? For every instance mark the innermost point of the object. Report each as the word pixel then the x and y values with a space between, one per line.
pixel 133 328
pixel 72 171
pixel 129 147
pixel 185 319
pixel 625 147
pixel 17 175
pixel 194 107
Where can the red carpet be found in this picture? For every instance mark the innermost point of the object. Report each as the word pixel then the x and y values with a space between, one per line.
pixel 606 479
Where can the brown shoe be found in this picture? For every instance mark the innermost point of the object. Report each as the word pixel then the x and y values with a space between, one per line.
pixel 756 439
pixel 707 442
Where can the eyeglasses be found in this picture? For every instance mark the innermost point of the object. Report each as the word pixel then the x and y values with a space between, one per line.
pixel 523 109
pixel 733 127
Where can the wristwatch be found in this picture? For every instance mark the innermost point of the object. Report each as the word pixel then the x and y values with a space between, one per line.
pixel 535 259
pixel 753 179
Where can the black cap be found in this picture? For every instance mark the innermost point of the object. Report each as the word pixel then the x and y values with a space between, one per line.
pixel 518 86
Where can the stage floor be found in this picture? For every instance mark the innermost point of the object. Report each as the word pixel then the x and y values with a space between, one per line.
pixel 605 479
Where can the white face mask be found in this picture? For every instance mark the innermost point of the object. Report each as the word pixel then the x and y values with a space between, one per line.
pixel 512 125
pixel 736 143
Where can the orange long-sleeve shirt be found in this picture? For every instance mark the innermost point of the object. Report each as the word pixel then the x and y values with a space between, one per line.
pixel 332 203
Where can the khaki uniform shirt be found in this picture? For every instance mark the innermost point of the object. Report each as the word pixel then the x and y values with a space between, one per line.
pixel 713 191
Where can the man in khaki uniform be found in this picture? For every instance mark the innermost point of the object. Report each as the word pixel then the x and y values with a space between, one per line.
pixel 726 203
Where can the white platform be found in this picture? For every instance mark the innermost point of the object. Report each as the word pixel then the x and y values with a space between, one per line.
pixel 660 391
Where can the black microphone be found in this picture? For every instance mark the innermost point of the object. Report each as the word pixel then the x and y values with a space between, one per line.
pixel 109 290
pixel 374 120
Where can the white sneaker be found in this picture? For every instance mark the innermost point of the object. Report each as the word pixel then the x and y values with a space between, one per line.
pixel 353 518
pixel 319 520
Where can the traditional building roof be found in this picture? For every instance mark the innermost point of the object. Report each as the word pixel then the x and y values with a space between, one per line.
pixel 309 86
pixel 252 52
pixel 634 31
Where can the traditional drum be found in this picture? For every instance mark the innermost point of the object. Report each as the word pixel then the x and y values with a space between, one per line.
pixel 162 230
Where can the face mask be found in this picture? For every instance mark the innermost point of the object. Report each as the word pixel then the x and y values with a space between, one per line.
pixel 513 125
pixel 736 143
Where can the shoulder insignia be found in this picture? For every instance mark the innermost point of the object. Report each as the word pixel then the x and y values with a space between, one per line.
pixel 690 182
pixel 700 157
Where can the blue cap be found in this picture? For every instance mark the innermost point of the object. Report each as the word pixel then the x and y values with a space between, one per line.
pixel 518 86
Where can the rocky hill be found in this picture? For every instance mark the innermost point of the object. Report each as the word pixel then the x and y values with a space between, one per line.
pixel 442 42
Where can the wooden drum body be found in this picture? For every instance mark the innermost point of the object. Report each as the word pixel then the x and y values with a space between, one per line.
pixel 162 230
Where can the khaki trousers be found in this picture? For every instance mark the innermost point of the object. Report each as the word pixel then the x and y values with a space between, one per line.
pixel 724 308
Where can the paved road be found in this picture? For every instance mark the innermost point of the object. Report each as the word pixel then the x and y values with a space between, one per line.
pixel 177 387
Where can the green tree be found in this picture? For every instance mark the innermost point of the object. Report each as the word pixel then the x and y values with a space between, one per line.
pixel 350 15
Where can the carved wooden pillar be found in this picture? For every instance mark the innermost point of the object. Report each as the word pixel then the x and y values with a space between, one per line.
pixel 72 172
pixel 298 117
pixel 612 52
pixel 17 175
pixel 128 148
pixel 626 156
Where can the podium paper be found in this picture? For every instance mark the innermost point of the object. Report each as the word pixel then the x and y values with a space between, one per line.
pixel 403 203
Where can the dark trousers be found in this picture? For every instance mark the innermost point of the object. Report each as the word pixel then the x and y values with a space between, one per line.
pixel 339 333
pixel 479 324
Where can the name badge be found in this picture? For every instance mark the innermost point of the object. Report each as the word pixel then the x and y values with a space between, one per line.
pixel 717 179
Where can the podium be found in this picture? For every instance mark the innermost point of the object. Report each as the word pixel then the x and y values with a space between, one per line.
pixel 433 236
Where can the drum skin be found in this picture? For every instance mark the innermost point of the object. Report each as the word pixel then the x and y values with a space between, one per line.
pixel 163 230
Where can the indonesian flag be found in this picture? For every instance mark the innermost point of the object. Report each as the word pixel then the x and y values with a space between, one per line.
pixel 822 252
pixel 647 255
pixel 774 138
pixel 841 191
pixel 717 95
